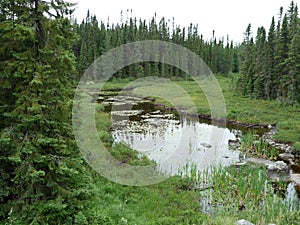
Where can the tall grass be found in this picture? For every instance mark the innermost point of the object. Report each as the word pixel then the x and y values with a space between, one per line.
pixel 243 192
pixel 254 145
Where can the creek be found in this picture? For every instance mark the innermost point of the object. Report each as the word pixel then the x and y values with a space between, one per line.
pixel 174 139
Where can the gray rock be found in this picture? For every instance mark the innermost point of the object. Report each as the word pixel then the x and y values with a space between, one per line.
pixel 239 164
pixel 262 162
pixel 90 82
pixel 286 156
pixel 295 178
pixel 243 222
pixel 278 166
pixel 234 143
pixel 205 145
pixel 277 175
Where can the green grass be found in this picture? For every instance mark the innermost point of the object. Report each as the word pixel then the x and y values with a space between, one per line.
pixel 296 148
pixel 246 193
pixel 254 145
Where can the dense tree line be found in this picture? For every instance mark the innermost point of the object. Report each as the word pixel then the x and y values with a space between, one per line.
pixel 97 37
pixel 270 63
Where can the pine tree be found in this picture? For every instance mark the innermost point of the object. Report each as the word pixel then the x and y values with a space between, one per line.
pixel 294 67
pixel 246 82
pixel 270 63
pixel 43 179
pixel 235 60
pixel 260 63
pixel 281 60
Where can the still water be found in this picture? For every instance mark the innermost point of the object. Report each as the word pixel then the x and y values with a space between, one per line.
pixel 172 139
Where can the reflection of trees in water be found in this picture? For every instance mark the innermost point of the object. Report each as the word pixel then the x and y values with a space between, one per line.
pixel 134 119
pixel 151 130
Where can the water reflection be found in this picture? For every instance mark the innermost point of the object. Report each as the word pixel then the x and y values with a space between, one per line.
pixel 171 139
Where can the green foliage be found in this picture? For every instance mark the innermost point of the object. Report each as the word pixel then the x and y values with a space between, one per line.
pixel 290 130
pixel 296 148
pixel 43 177
pixel 270 65
pixel 96 39
pixel 253 145
pixel 249 196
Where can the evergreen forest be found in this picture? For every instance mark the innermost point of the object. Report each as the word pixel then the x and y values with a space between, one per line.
pixel 44 51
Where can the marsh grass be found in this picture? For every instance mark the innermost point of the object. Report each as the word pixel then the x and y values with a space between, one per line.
pixel 254 145
pixel 244 192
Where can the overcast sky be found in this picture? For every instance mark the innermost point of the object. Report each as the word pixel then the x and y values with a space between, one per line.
pixel 224 16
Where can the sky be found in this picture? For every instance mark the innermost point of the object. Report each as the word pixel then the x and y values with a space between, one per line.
pixel 226 17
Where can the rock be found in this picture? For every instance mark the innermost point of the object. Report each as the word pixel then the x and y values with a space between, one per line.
pixel 239 164
pixel 262 162
pixel 243 222
pixel 289 149
pixel 278 166
pixel 286 156
pixel 277 175
pixel 276 170
pixel 295 178
pixel 268 137
pixel 205 145
pixel 90 82
pixel 235 143
pixel 100 98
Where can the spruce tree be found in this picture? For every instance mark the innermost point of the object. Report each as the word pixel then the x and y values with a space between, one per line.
pixel 43 179
pixel 294 67
pixel 246 81
pixel 260 63
pixel 270 63
pixel 281 60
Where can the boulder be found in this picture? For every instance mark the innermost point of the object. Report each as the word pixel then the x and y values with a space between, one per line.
pixel 243 222
pixel 205 145
pixel 286 156
pixel 295 178
pixel 261 162
pixel 278 166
